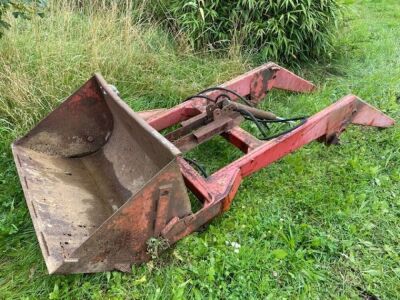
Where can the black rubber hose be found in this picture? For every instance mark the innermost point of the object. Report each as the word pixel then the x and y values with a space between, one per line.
pixel 254 119
pixel 200 96
pixel 198 166
pixel 283 120
pixel 222 96
pixel 218 88
pixel 283 132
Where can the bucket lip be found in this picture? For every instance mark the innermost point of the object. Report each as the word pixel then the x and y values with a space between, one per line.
pixel 52 264
pixel 107 89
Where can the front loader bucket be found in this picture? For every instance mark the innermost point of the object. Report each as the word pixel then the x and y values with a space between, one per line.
pixel 98 181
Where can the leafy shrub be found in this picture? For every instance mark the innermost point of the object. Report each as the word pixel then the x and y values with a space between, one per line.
pixel 24 9
pixel 281 30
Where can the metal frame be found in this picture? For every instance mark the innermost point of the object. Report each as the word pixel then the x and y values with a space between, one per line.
pixel 100 181
pixel 218 190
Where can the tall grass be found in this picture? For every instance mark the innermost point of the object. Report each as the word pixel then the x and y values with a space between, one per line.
pixel 42 61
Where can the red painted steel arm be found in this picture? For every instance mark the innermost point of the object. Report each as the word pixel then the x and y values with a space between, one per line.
pixel 253 84
pixel 286 80
pixel 219 189
pixel 328 123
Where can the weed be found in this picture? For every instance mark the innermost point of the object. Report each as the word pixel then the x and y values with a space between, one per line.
pixel 155 246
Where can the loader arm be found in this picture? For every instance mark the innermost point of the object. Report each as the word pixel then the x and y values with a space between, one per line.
pixel 218 190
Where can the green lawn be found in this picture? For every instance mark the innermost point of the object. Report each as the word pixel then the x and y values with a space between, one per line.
pixel 320 223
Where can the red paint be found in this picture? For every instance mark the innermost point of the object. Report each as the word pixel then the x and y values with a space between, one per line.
pixel 218 190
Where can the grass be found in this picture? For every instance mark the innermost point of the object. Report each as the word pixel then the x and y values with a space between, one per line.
pixel 320 223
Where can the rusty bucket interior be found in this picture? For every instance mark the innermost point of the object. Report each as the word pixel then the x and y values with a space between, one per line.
pixel 93 173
